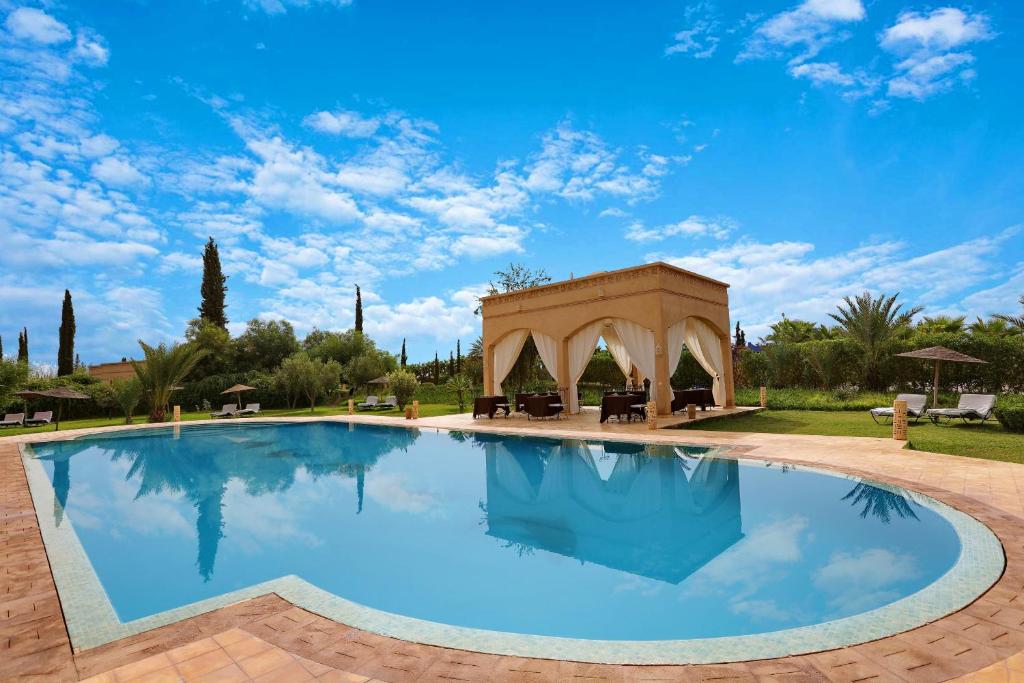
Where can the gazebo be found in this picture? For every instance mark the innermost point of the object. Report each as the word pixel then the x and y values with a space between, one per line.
pixel 645 314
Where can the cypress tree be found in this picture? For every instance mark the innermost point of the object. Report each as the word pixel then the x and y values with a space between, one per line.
pixel 404 357
pixel 359 310
pixel 23 345
pixel 437 368
pixel 213 289
pixel 66 348
pixel 2 348
pixel 458 356
pixel 451 364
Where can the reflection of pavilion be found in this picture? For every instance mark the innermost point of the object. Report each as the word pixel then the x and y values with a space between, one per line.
pixel 624 508
pixel 263 457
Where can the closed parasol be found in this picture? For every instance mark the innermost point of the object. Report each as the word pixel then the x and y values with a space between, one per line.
pixel 938 355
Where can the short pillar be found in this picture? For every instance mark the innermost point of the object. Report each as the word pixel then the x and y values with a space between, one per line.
pixel 691 411
pixel 415 410
pixel 177 413
pixel 899 420
pixel 652 415
pixel 351 407
pixel 764 397
pixel 408 412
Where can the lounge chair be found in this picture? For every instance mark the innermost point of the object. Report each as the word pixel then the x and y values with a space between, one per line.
pixel 370 403
pixel 42 417
pixel 249 409
pixel 228 410
pixel 916 404
pixel 970 407
pixel 13 420
pixel 390 403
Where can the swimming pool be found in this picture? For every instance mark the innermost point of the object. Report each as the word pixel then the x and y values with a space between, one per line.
pixel 601 551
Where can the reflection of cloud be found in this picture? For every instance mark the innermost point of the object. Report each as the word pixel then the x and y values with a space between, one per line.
pixel 762 610
pixel 395 493
pixel 865 580
pixel 773 543
pixel 117 510
pixel 640 585
pixel 255 520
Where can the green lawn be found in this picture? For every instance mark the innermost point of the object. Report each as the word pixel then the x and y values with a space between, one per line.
pixel 989 441
pixel 426 410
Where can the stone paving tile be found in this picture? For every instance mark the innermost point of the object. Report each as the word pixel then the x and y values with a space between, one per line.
pixel 268 635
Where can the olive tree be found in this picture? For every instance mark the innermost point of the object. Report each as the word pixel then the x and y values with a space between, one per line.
pixel 403 385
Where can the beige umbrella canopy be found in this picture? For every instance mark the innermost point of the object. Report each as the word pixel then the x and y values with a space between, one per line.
pixel 237 391
pixel 59 393
pixel 383 379
pixel 939 354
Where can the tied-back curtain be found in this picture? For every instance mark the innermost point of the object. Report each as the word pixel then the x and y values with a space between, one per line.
pixel 639 343
pixel 547 347
pixel 706 348
pixel 506 353
pixel 581 350
pixel 617 349
pixel 676 337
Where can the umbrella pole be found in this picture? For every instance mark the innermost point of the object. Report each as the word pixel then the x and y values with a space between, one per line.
pixel 57 424
pixel 935 385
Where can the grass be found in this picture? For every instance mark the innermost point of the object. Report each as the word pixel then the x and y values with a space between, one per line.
pixel 989 441
pixel 426 410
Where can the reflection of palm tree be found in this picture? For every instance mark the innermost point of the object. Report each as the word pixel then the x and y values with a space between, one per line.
pixel 879 503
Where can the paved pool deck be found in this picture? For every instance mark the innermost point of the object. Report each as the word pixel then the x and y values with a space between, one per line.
pixel 267 638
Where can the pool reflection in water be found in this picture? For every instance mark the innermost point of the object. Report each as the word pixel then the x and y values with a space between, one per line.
pixel 528 535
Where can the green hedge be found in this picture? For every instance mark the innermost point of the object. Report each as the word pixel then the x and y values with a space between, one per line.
pixel 809 399
pixel 1010 413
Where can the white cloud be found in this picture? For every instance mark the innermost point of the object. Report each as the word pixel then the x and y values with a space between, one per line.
pixel 769 279
pixel 694 226
pixel 613 212
pixel 118 172
pixel 807 29
pixel 179 261
pixel 90 49
pixel 820 74
pixel 930 50
pixel 699 39
pixel 273 7
pixel 29 23
pixel 348 123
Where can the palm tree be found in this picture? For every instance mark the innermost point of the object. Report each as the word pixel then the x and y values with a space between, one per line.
pixel 873 324
pixel 941 324
pixel 995 326
pixel 163 369
pixel 1015 320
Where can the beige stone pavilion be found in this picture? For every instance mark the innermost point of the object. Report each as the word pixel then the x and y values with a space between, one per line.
pixel 645 314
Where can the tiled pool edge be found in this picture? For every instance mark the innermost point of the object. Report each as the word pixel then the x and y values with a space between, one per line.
pixel 980 565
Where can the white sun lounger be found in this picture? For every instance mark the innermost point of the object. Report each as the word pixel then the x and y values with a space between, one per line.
pixel 916 404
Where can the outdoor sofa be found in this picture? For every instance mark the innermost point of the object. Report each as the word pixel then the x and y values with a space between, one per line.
pixel 970 407
pixel 916 404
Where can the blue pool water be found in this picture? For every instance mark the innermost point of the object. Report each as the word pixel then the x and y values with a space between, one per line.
pixel 528 535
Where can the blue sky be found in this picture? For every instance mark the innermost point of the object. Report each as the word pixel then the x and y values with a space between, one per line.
pixel 799 151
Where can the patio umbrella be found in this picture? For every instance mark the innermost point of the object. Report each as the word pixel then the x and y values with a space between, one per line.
pixel 237 391
pixel 59 393
pixel 383 379
pixel 938 354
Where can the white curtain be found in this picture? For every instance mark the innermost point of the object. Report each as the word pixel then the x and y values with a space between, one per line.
pixel 706 348
pixel 506 353
pixel 617 349
pixel 581 350
pixel 639 342
pixel 547 347
pixel 676 339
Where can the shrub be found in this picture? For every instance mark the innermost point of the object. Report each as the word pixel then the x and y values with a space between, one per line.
pixel 1010 413
pixel 403 385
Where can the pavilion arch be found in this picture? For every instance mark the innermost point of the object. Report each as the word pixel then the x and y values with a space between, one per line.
pixel 653 310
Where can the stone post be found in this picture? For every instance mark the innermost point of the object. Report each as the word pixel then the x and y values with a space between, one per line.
pixel 351 407
pixel 764 397
pixel 177 413
pixel 899 420
pixel 408 412
pixel 691 411
pixel 652 415
pixel 416 410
